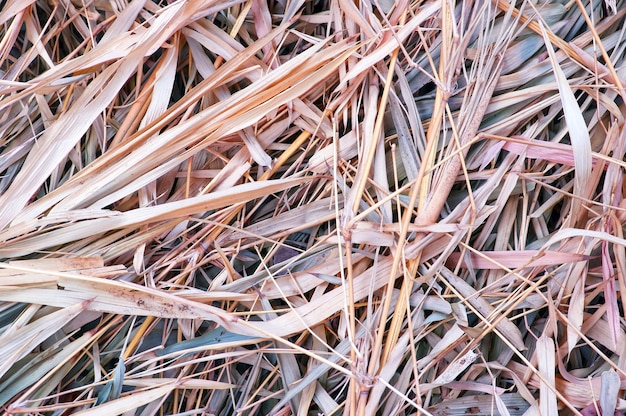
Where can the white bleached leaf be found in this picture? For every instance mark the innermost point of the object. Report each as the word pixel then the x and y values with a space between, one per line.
pixel 546 363
pixel 578 132
pixel 456 367
pixel 609 392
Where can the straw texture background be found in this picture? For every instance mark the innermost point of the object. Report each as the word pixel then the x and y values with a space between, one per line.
pixel 332 207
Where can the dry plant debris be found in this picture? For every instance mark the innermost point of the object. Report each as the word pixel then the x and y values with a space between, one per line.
pixel 333 207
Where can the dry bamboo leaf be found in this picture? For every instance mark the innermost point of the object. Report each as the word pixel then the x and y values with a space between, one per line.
pixel 146 215
pixel 451 336
pixel 567 233
pixel 211 38
pixel 183 384
pixel 122 297
pixel 346 148
pixel 287 363
pixel 217 339
pixel 131 299
pixel 163 85
pixel 295 219
pixel 602 332
pixel 72 124
pixel 481 405
pixel 371 237
pixel 12 8
pixel 353 14
pixel 153 149
pixel 39 368
pixel 137 132
pixel 546 365
pixel 456 367
pixel 501 406
pixel 321 308
pixel 612 311
pixel 255 148
pixel 579 392
pixel 322 264
pixel 554 152
pixel 388 371
pixel 130 401
pixel 20 342
pixel 575 314
pixel 515 259
pixel 391 42
pixel 307 398
pixel 609 392
pixel 579 135
pixel 292 285
pixel 123 20
pixel 241 110
pixel 469 294
pixel 408 152
pixel 61 264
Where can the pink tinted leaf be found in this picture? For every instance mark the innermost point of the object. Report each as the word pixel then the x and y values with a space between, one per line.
pixel 537 149
pixel 493 260
pixel 609 292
